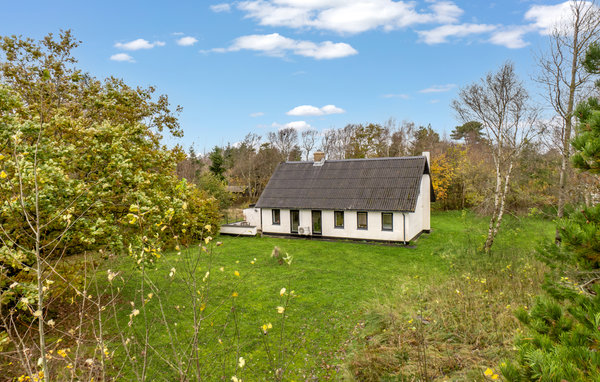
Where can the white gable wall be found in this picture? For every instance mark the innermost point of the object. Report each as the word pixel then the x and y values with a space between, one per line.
pixel 420 220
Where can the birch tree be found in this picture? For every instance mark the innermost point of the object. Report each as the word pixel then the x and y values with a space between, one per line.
pixel 284 140
pixel 564 79
pixel 309 141
pixel 501 103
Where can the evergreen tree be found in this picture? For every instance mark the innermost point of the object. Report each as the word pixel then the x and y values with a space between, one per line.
pixel 471 132
pixel 217 163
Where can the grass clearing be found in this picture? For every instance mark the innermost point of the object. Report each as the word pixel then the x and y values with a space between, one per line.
pixel 351 317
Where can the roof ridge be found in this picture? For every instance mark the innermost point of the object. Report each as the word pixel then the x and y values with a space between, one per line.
pixel 358 159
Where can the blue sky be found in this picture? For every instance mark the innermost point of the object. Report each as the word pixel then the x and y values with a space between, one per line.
pixel 258 65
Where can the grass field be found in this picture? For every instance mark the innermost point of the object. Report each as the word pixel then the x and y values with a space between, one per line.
pixel 352 317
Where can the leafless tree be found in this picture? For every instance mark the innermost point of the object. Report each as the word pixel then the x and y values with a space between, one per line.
pixel 284 140
pixel 402 135
pixel 309 141
pixel 502 104
pixel 564 78
pixel 335 142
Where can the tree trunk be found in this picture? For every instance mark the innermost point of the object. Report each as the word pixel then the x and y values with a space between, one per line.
pixel 490 237
pixel 502 201
pixel 566 149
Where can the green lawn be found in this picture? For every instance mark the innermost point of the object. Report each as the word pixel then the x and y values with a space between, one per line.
pixel 334 283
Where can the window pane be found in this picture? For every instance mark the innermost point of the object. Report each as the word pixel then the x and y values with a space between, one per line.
pixel 276 217
pixel 339 219
pixel 387 221
pixel 362 220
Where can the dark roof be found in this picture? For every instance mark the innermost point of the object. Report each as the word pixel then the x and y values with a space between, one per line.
pixel 381 184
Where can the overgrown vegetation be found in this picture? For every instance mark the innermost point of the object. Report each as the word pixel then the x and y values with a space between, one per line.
pixel 457 325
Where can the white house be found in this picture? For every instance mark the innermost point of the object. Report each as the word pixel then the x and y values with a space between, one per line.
pixel 382 199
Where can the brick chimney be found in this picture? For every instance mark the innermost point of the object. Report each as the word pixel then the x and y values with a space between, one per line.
pixel 319 156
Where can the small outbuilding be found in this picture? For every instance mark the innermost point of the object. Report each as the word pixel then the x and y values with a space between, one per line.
pixel 380 199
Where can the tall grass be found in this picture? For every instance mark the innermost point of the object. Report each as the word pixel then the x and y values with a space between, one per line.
pixel 456 327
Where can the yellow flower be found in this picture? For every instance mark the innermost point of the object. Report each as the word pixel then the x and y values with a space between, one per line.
pixel 207 227
pixel 222 269
pixel 207 239
pixel 241 362
pixel 488 372
pixel 280 309
pixel 282 292
pixel 265 327
pixel 495 376
pixel 236 273
pixel 234 294
pixel 3 174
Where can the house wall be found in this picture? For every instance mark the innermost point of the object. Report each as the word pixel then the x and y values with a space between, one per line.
pixel 267 221
pixel 252 216
pixel 350 230
pixel 420 220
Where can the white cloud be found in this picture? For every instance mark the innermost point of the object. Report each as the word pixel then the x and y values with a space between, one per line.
pixel 402 96
pixel 546 17
pixel 434 101
pixel 347 16
pixel 511 37
pixel 438 88
pixel 122 57
pixel 277 45
pixel 309 110
pixel 187 41
pixel 440 34
pixel 224 7
pixel 297 125
pixel 257 114
pixel 138 44
pixel 332 109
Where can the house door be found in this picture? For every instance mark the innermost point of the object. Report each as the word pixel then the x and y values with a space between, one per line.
pixel 316 223
pixel 294 220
